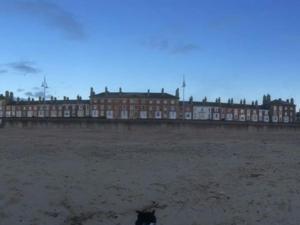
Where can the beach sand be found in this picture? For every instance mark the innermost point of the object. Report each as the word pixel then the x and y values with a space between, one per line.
pixel 84 176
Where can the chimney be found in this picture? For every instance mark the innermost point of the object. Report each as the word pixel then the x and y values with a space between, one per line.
pixel 92 93
pixel 177 93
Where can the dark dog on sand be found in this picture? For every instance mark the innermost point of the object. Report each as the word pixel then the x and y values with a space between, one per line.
pixel 145 218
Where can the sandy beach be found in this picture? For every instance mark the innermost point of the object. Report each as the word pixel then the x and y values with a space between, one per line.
pixel 81 176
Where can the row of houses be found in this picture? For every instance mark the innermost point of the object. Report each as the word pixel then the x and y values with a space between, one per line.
pixel 148 105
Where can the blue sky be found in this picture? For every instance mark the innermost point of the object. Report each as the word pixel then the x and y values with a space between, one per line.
pixel 227 48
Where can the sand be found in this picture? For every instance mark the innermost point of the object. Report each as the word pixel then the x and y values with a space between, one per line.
pixel 198 176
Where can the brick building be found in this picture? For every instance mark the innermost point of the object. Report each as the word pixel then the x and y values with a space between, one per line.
pixel 148 105
pixel 50 108
pixel 134 105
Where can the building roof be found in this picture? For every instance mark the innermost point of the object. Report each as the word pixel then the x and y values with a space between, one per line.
pixel 280 102
pixel 222 104
pixel 134 95
pixel 49 102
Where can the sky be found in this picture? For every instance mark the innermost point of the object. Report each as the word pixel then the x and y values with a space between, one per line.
pixel 224 48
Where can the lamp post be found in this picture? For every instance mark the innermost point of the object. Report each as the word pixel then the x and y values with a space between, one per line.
pixel 44 86
pixel 183 98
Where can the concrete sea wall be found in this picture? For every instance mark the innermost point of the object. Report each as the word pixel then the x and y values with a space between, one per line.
pixel 143 125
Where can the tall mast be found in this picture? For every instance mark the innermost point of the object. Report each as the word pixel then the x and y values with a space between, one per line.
pixel 183 97
pixel 44 86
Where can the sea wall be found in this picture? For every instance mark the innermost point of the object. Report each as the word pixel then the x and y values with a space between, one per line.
pixel 143 125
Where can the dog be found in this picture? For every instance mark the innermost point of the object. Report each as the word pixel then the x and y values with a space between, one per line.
pixel 145 218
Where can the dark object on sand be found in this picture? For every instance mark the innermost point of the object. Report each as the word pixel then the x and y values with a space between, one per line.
pixel 146 218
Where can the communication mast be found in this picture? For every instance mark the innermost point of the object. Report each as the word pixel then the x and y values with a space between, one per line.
pixel 183 97
pixel 45 87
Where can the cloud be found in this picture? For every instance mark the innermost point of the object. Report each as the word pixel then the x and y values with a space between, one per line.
pixel 3 71
pixel 34 94
pixel 170 47
pixel 50 14
pixel 29 94
pixel 184 49
pixel 20 90
pixel 24 67
pixel 158 44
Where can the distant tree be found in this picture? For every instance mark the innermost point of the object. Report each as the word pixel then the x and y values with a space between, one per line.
pixel 191 99
pixel 205 99
pixel 244 101
pixel 256 103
